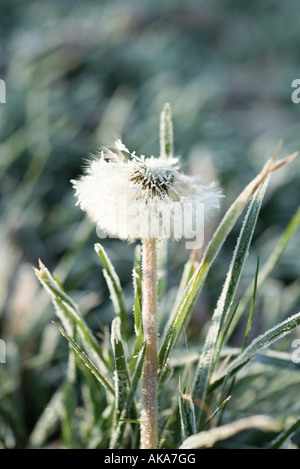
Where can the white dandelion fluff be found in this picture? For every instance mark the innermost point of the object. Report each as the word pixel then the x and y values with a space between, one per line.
pixel 135 197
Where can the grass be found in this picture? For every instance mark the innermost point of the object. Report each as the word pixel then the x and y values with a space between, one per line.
pixel 117 364
pixel 58 383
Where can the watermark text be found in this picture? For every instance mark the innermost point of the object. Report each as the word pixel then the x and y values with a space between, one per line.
pixel 2 92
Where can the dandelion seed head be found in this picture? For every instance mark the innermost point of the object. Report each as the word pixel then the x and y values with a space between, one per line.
pixel 133 197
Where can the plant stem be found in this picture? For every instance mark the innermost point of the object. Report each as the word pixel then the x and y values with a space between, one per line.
pixel 149 313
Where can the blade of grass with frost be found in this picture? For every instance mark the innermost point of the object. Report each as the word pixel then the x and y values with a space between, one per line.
pixel 162 254
pixel 275 358
pixel 187 415
pixel 216 412
pixel 54 289
pixel 121 373
pixel 193 288
pixel 86 360
pixel 249 322
pixel 63 268
pixel 268 266
pixel 69 314
pixel 137 285
pixel 135 380
pixel 208 355
pixel 226 329
pixel 48 420
pixel 166 132
pixel 278 359
pixel 208 438
pixel 285 435
pixel 166 151
pixel 258 345
pixel 54 409
pixel 114 286
pixel 189 270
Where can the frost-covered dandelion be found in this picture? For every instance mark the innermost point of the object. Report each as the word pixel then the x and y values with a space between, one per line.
pixel 134 197
pixel 137 198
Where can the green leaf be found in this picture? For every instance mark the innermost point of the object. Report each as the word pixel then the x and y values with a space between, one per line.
pixel 208 355
pixel 114 286
pixel 249 322
pixel 268 266
pixel 60 407
pixel 189 270
pixel 184 307
pixel 69 314
pixel 137 284
pixel 285 435
pixel 86 360
pixel 162 254
pixel 187 415
pixel 185 304
pixel 121 374
pixel 258 345
pixel 166 132
pixel 119 429
pixel 217 410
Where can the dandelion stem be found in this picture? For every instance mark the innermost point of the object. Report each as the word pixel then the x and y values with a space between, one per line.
pixel 149 312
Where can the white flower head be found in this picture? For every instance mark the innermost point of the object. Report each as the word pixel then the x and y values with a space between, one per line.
pixel 134 197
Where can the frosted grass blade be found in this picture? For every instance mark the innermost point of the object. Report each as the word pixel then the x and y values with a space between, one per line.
pixel 209 352
pixel 61 399
pixel 69 314
pixel 118 432
pixel 268 266
pixel 187 415
pixel 166 132
pixel 193 288
pixel 121 373
pixel 285 435
pixel 137 285
pixel 114 286
pixel 258 345
pixel 249 322
pixel 86 360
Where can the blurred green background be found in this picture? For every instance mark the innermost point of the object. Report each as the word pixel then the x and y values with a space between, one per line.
pixel 77 72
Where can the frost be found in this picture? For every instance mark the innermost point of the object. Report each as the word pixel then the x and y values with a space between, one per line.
pixel 142 197
pixel 120 146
